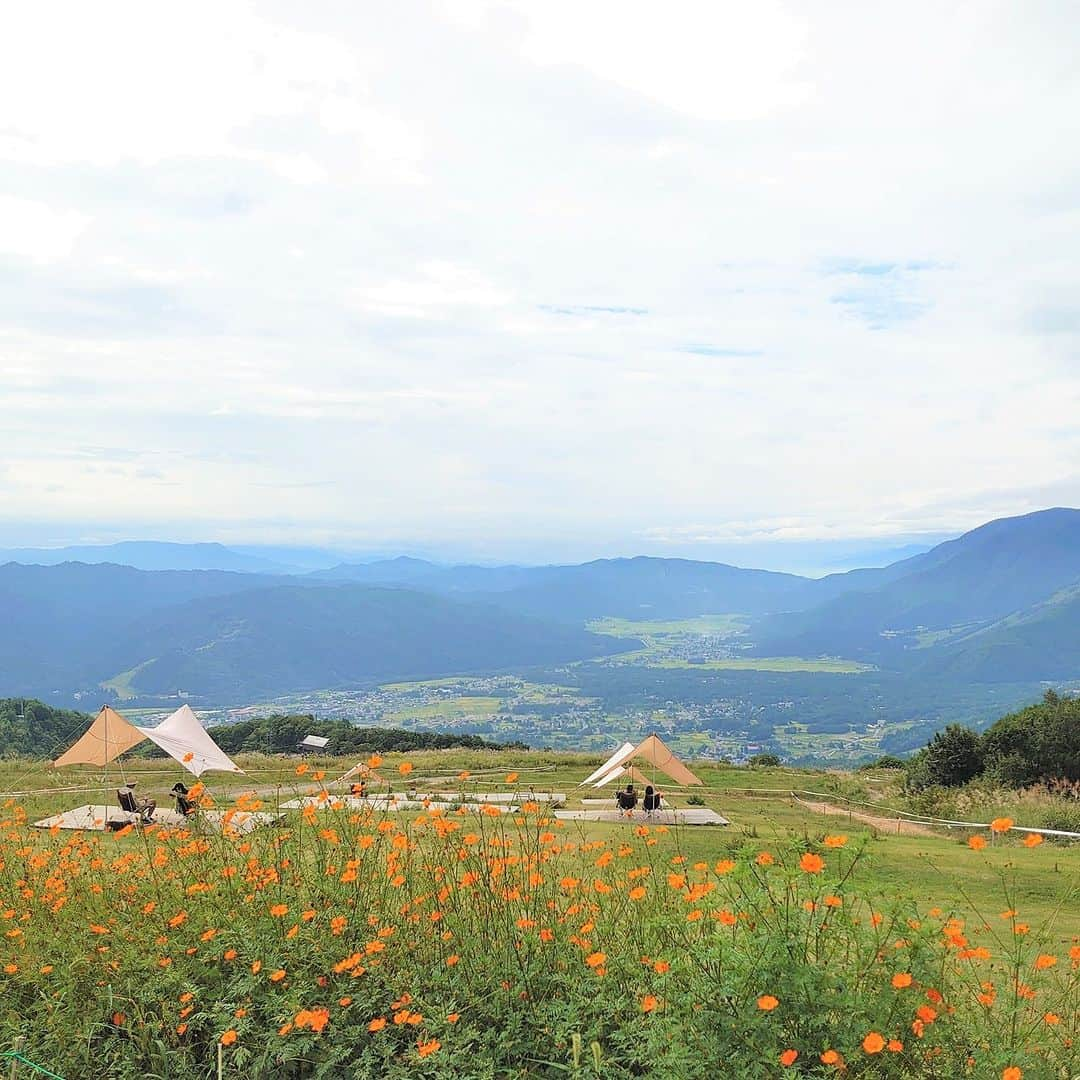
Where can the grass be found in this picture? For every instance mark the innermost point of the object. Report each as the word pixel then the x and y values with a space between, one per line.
pixel 452 944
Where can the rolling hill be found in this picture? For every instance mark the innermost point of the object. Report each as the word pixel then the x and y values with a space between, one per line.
pixel 995 584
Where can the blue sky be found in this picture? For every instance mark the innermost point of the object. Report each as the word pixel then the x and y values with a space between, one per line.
pixel 537 280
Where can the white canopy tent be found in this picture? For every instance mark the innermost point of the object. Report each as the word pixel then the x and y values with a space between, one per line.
pixel 612 763
pixel 180 735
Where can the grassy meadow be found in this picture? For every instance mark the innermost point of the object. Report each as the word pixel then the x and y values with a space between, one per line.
pixel 462 942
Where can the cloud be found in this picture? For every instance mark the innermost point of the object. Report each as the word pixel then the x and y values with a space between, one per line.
pixel 523 275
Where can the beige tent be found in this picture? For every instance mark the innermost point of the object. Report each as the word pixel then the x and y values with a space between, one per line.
pixel 362 772
pixel 651 751
pixel 107 738
pixel 180 735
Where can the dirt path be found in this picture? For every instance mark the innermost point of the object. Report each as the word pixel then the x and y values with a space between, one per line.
pixel 885 824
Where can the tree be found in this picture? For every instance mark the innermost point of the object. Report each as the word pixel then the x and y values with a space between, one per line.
pixel 953 757
pixel 769 760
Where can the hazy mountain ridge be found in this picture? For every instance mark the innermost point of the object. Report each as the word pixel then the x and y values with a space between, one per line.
pixel 999 604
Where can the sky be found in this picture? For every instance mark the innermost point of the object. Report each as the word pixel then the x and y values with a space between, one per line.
pixel 537 280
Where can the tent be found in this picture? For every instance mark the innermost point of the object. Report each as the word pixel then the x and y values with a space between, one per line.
pixel 361 772
pixel 180 735
pixel 612 762
pixel 651 751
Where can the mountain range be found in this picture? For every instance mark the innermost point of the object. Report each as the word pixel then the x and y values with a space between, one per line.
pixel 999 604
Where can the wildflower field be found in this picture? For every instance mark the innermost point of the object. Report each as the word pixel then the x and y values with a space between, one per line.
pixel 471 943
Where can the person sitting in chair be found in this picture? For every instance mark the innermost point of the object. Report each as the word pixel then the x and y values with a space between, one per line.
pixel 627 799
pixel 652 799
pixel 132 804
pixel 184 803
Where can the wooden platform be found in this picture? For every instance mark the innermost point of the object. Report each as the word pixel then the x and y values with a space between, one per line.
pixel 384 804
pixel 691 815
pixel 98 818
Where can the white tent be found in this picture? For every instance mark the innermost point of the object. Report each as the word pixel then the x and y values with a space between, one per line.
pixel 180 735
pixel 623 772
pixel 612 763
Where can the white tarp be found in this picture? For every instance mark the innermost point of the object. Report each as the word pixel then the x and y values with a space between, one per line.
pixel 181 736
pixel 625 751
pixel 314 742
pixel 628 772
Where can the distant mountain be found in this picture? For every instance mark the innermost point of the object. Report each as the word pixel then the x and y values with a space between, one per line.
pixel 638 588
pixel 270 641
pixel 73 627
pixel 900 614
pixel 1000 603
pixel 1040 643
pixel 151 555
pixel 59 621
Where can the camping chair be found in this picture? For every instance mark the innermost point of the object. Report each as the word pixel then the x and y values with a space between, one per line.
pixel 626 800
pixel 143 809
pixel 652 801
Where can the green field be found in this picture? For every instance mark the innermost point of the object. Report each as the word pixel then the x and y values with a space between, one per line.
pixel 459 942
pixel 456 706
pixel 719 625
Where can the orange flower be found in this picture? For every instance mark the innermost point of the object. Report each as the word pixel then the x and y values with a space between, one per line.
pixel 830 1057
pixel 835 841
pixel 278 910
pixel 1052 1018
pixel 405 768
pixel 767 1003
pixel 453 1018
pixel 764 859
pixel 648 1003
pixel 256 967
pixel 229 1037
pixel 463 775
pixel 637 893
pixel 901 980
pixel 788 1057
pixel 377 1024
pixel 1013 1072
pixel 1044 961
pixel 976 843
pixel 429 1047
pixel 873 1043
pixel 596 959
pixel 811 863
pixel 896 1046
pixel 1001 824
pixel 724 866
pixel 511 777
pixel 301 768
pixel 278 975
pixel 661 967
pixel 1033 839
pixel 229 954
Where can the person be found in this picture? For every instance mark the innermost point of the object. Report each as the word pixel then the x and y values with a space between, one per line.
pixel 652 799
pixel 185 805
pixel 134 804
pixel 627 799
